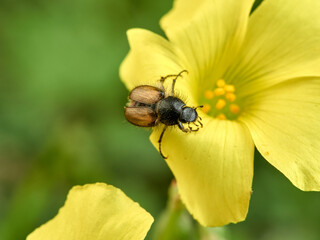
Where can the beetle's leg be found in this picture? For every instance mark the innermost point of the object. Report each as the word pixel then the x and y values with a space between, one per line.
pixel 160 140
pixel 156 122
pixel 198 127
pixel 162 79
pixel 175 79
pixel 182 128
pixel 201 106
pixel 191 129
pixel 200 119
pixel 195 130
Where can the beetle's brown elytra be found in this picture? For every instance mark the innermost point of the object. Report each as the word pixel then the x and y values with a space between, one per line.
pixel 141 116
pixel 146 94
pixel 148 106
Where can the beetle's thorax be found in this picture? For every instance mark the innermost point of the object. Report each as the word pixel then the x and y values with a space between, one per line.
pixel 169 110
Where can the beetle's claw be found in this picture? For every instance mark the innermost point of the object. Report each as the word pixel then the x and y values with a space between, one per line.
pixel 164 157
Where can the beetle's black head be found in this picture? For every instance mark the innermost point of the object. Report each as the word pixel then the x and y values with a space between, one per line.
pixel 188 114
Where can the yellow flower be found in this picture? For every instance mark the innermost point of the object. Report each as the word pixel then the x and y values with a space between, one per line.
pixel 263 75
pixel 93 212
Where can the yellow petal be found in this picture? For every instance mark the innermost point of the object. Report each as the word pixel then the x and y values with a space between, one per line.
pixel 182 11
pixel 96 212
pixel 213 168
pixel 150 58
pixel 209 33
pixel 285 124
pixel 283 42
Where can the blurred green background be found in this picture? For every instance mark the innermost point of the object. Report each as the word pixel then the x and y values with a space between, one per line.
pixel 62 123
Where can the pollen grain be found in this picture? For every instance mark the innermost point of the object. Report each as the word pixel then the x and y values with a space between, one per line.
pixel 219 91
pixel 229 88
pixel 221 116
pixel 208 94
pixel 230 96
pixel 220 104
pixel 234 108
pixel 206 108
pixel 220 83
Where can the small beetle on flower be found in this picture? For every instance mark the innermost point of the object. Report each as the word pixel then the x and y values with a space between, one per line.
pixel 150 106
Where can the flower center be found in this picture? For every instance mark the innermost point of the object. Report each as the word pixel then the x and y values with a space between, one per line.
pixel 221 102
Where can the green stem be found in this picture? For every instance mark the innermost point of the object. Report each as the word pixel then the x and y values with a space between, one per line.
pixel 176 223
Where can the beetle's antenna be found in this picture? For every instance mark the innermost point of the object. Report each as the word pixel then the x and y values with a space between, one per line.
pixel 201 106
pixel 160 140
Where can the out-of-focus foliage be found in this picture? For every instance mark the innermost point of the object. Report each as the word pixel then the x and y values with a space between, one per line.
pixel 61 108
pixel 62 124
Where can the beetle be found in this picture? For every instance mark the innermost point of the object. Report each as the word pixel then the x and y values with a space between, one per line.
pixel 148 106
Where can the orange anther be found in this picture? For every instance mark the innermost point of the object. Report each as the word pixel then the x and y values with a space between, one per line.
pixel 208 94
pixel 220 104
pixel 234 108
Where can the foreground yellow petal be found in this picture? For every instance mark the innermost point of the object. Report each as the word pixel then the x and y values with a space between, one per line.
pixel 213 169
pixel 210 34
pixel 96 212
pixel 285 124
pixel 283 42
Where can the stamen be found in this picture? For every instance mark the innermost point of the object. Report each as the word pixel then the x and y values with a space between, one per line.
pixel 206 108
pixel 223 97
pixel 231 97
pixel 229 88
pixel 208 94
pixel 234 108
pixel 220 104
pixel 221 116
pixel 218 91
pixel 220 83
